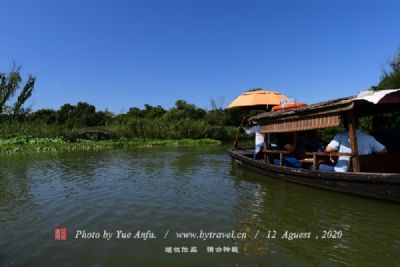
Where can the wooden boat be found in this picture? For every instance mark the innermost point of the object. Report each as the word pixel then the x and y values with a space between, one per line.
pixel 374 175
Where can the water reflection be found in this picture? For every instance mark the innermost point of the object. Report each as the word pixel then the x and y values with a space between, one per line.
pixel 15 189
pixel 179 189
pixel 370 227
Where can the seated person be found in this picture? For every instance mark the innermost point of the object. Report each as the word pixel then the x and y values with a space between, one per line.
pixel 308 141
pixel 284 143
pixel 367 144
pixel 384 134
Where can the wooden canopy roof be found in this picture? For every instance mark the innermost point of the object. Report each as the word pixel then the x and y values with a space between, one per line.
pixel 329 113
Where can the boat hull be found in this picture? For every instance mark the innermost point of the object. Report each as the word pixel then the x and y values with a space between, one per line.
pixel 376 185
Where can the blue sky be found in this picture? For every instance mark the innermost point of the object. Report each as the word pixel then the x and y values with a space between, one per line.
pixel 119 54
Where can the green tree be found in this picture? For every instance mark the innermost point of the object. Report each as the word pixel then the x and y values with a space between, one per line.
pixel 65 113
pixel 135 112
pixel 390 79
pixel 153 112
pixel 48 116
pixel 82 115
pixel 185 111
pixel 24 95
pixel 10 84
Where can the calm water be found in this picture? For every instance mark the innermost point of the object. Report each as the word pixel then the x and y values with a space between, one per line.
pixel 169 191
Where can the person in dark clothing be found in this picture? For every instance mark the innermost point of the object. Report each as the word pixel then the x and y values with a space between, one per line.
pixel 288 142
pixel 386 135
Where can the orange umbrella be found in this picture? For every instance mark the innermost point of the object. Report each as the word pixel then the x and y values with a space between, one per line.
pixel 258 98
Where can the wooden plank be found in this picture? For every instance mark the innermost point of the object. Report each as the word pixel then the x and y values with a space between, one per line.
pixel 352 125
pixel 328 154
pixel 271 151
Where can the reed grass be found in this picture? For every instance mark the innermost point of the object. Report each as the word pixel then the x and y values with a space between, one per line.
pixel 158 128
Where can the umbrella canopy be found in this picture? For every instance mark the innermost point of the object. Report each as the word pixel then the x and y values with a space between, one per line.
pixel 258 98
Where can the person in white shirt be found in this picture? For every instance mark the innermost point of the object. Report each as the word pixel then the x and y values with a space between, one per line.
pixel 367 144
pixel 259 141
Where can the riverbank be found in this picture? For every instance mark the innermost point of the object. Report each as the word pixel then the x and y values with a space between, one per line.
pixel 18 144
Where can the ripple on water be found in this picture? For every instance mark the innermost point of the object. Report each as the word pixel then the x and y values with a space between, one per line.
pixel 180 190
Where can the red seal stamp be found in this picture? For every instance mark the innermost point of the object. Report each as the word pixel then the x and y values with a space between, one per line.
pixel 60 233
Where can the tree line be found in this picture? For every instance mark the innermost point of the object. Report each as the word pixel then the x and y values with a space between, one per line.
pixel 184 120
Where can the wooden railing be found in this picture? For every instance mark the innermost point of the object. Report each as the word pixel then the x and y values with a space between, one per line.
pixel 281 153
pixel 316 156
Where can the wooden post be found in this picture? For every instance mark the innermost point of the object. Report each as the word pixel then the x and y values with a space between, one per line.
pixel 281 159
pixel 314 159
pixel 295 143
pixel 267 145
pixel 238 132
pixel 355 161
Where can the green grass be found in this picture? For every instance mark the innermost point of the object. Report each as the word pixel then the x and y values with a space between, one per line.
pixel 130 128
pixel 26 143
